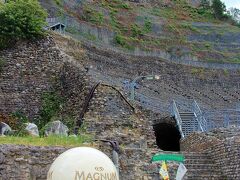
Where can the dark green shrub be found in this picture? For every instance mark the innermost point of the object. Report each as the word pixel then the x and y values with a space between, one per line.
pixel 219 9
pixel 91 15
pixel 21 19
pixel 51 106
pixel 119 39
pixel 19 123
pixel 147 26
pixel 136 30
pixel 123 41
pixel 205 4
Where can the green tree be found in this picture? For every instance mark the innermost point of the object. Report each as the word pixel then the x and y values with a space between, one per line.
pixel 21 19
pixel 219 9
pixel 235 13
pixel 205 4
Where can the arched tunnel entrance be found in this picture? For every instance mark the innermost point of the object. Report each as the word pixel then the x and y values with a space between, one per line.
pixel 167 136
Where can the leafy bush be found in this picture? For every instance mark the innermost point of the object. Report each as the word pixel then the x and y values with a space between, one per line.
pixel 147 25
pixel 234 14
pixel 91 15
pixel 21 19
pixel 205 4
pixel 19 123
pixel 58 2
pixel 120 40
pixel 123 41
pixel 51 106
pixel 136 30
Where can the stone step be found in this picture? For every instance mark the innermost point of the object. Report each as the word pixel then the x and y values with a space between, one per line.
pixel 201 166
pixel 202 169
pixel 215 171
pixel 187 115
pixel 200 161
pixel 203 177
pixel 197 157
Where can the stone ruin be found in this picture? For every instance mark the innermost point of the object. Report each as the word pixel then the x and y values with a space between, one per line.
pixel 213 155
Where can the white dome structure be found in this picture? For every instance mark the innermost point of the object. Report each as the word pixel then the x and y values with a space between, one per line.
pixel 82 163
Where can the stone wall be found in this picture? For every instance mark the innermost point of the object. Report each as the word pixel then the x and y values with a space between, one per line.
pixel 226 154
pixel 30 69
pixel 198 142
pixel 74 85
pixel 33 163
pixel 223 145
pixel 111 117
pixel 22 162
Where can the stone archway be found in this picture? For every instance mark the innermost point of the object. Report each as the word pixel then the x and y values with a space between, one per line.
pixel 167 136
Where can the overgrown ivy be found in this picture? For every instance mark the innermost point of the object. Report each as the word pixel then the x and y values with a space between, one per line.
pixel 51 107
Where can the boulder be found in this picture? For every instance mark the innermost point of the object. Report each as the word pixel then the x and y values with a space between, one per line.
pixel 4 128
pixel 32 129
pixel 56 128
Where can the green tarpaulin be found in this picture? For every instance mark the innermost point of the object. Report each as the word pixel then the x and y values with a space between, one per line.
pixel 168 157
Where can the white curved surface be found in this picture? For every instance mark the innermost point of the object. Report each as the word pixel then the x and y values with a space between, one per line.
pixel 82 163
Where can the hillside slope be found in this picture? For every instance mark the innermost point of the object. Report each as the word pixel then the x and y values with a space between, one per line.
pixel 214 90
pixel 173 28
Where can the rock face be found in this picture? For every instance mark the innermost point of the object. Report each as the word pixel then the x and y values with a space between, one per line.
pixel 56 128
pixel 32 129
pixel 4 128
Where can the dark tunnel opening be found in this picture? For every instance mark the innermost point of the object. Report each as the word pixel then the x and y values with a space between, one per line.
pixel 167 136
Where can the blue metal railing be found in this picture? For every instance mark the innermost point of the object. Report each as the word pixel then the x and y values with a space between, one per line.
pixel 205 120
pixel 203 125
pixel 176 114
pixel 223 118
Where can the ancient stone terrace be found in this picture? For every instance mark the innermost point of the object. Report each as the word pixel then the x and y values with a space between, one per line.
pixel 177 82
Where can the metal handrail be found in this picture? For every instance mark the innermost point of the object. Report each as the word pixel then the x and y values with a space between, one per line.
pixel 176 114
pixel 224 118
pixel 200 118
pixel 79 121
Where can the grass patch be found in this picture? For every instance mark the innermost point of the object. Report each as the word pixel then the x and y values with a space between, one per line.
pixel 123 42
pixel 46 141
pixel 92 15
pixel 115 4
pixel 190 27
pixel 197 71
pixel 164 12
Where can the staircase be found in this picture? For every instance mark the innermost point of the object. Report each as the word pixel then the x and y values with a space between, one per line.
pixel 200 166
pixel 189 122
